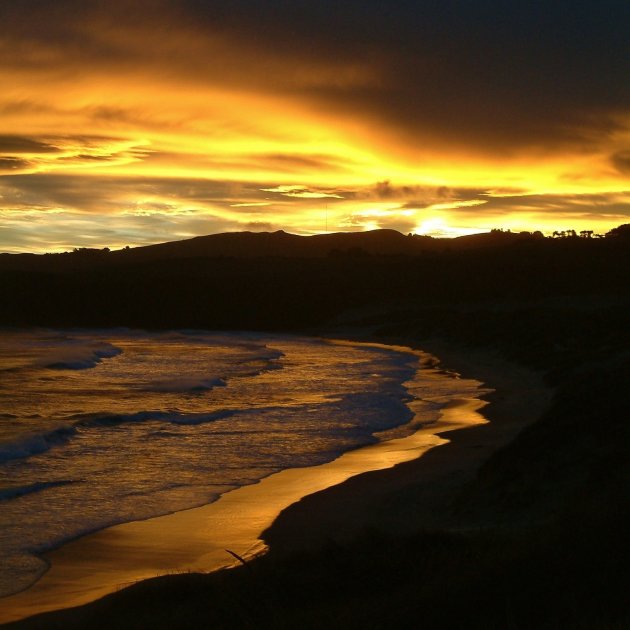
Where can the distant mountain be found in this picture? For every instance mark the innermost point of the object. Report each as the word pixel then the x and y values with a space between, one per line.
pixel 278 244
pixel 282 244
pixel 285 245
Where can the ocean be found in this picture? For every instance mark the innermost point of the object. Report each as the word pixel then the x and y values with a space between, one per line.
pixel 99 427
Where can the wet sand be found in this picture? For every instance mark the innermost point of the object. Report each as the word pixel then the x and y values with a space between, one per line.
pixel 421 494
pixel 315 504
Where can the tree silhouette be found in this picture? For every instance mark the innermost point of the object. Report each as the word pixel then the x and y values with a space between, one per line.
pixel 620 232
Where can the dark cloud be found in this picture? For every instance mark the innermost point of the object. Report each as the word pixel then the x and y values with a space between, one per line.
pixel 299 163
pixel 61 34
pixel 383 190
pixel 587 206
pixel 21 144
pixel 8 163
pixel 495 71
pixel 105 148
pixel 386 190
pixel 67 230
pixel 274 163
pixel 45 191
pixel 496 75
pixel 93 194
pixel 621 161
pixel 418 197
pixel 484 205
pixel 96 194
pixel 70 151
pixel 83 157
pixel 23 106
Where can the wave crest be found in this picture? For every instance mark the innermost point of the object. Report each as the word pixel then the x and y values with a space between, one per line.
pixel 19 491
pixel 34 444
pixel 78 357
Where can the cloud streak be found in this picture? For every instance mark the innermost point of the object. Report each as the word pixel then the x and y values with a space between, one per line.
pixel 478 115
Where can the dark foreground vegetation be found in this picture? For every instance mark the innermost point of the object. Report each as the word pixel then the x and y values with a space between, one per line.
pixel 555 552
pixel 274 282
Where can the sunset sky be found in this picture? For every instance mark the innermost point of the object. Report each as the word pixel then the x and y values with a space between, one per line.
pixel 135 122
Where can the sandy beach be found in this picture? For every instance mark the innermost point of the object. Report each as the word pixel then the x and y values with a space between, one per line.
pixel 418 494
pixel 397 486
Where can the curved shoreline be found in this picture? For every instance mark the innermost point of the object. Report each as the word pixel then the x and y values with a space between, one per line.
pixel 133 551
pixel 197 539
pixel 419 494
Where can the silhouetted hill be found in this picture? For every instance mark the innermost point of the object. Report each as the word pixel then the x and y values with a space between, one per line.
pixel 278 244
pixel 195 283
pixel 282 244
pixel 495 238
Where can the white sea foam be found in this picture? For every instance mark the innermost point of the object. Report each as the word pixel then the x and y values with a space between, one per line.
pixel 75 356
pixel 108 420
pixel 185 384
pixel 38 486
pixel 34 444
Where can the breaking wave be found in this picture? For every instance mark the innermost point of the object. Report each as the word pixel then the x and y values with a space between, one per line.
pixel 35 444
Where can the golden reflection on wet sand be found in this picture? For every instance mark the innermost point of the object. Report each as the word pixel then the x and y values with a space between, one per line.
pixel 196 539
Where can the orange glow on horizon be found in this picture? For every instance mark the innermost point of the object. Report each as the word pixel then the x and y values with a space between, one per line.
pixel 87 149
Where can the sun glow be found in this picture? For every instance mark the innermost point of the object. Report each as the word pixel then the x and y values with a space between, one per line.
pixel 258 140
pixel 438 227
